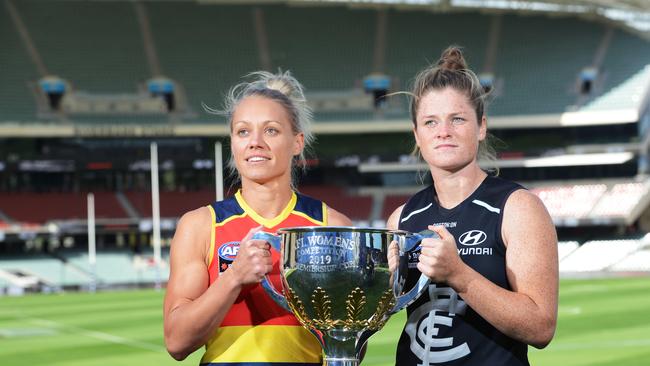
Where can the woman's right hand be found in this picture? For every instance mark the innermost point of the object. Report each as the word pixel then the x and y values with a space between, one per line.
pixel 393 256
pixel 253 260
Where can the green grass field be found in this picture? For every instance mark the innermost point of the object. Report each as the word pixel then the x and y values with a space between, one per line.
pixel 601 322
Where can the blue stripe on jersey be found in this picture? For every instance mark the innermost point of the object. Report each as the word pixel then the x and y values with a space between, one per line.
pixel 309 206
pixel 226 208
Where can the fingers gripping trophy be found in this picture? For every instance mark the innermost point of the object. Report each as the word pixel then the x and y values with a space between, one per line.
pixel 337 282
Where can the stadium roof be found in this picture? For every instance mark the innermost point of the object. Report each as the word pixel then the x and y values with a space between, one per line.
pixel 633 15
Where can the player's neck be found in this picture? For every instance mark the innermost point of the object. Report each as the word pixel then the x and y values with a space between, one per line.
pixel 267 200
pixel 454 188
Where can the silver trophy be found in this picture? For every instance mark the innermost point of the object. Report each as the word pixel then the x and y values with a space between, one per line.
pixel 336 282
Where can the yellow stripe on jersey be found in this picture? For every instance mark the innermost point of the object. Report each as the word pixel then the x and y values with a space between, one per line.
pixel 325 214
pixel 269 223
pixel 212 232
pixel 263 343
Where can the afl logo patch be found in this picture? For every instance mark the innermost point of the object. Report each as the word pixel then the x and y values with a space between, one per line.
pixel 472 237
pixel 229 250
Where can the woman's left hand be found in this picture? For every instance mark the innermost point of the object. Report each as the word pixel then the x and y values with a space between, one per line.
pixel 439 258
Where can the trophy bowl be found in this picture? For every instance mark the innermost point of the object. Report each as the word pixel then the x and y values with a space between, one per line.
pixel 337 283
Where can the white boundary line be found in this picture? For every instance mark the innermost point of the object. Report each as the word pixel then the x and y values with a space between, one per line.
pixel 570 310
pixel 98 335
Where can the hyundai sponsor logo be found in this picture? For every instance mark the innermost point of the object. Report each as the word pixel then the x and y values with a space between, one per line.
pixel 472 237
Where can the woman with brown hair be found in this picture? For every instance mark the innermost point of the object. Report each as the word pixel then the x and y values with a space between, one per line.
pixel 494 267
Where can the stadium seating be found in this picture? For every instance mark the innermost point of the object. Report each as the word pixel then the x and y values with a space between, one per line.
pixel 118 268
pixel 564 248
pixel 626 95
pixel 620 200
pixel 172 204
pixel 205 48
pixel 49 271
pixel 415 39
pixel 329 48
pixel 627 56
pixel 81 42
pixel 44 207
pixel 72 269
pixel 571 201
pixel 17 100
pixel 538 77
pixel 564 202
pixel 598 255
pixel 613 200
pixel 636 262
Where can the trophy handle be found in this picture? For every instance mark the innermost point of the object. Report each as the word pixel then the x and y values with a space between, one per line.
pixel 412 243
pixel 279 299
pixel 272 239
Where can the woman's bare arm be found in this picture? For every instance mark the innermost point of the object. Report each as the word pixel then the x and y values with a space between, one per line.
pixel 193 309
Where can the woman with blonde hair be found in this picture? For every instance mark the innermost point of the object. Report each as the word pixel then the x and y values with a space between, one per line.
pixel 214 297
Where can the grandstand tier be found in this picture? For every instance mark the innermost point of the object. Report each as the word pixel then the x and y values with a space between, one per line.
pixel 535 60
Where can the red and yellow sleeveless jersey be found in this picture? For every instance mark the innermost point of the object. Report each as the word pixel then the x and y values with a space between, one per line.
pixel 256 331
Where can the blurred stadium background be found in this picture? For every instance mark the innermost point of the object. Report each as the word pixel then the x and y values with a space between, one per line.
pixel 86 87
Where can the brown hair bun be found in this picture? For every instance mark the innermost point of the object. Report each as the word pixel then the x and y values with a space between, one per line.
pixel 452 59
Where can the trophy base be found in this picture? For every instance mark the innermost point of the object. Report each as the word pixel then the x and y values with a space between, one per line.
pixel 341 362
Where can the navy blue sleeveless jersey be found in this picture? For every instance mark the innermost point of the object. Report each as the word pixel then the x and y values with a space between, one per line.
pixel 441 329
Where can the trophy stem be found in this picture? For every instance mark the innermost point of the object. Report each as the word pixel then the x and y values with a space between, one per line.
pixel 341 362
